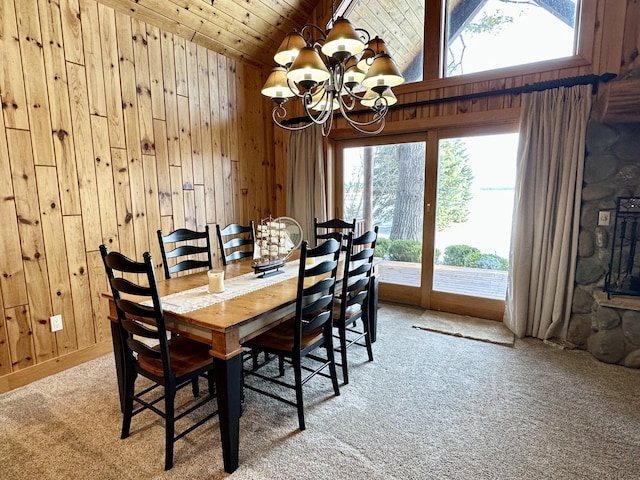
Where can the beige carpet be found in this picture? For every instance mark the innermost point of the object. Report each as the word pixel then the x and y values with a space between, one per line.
pixel 429 407
pixel 466 327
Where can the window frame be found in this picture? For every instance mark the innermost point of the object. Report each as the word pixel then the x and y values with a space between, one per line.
pixel 433 63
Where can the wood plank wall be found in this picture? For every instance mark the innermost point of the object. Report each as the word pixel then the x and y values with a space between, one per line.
pixel 110 130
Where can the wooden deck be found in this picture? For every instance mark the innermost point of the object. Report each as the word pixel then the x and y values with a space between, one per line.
pixel 476 282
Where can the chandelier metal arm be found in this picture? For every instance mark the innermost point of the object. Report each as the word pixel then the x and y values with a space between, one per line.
pixel 366 38
pixel 279 112
pixel 323 114
pixel 308 36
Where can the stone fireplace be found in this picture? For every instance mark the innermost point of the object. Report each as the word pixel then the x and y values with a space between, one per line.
pixel 608 327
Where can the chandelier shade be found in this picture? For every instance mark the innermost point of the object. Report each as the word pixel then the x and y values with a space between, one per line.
pixel 374 47
pixel 276 86
pixel 307 70
pixel 289 49
pixel 382 74
pixel 332 72
pixel 370 98
pixel 343 41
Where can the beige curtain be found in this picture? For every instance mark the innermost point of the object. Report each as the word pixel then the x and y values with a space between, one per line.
pixel 546 216
pixel 306 186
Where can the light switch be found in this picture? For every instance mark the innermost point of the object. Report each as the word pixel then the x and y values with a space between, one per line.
pixel 604 217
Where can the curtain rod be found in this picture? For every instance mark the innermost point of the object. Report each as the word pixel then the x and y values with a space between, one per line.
pixel 593 80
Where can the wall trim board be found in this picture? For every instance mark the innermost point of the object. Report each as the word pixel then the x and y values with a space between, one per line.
pixel 56 365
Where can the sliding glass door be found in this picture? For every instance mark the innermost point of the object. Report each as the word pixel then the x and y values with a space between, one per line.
pixel 443 203
pixel 383 185
pixel 474 199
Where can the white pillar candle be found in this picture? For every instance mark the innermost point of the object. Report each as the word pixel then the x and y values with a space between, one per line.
pixel 216 281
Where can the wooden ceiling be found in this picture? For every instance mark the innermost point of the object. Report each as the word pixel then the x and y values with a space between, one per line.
pixel 252 30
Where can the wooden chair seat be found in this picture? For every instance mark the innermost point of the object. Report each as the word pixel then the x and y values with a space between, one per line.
pixel 186 356
pixel 350 312
pixel 280 338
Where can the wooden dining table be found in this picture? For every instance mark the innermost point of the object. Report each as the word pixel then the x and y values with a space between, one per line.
pixel 225 326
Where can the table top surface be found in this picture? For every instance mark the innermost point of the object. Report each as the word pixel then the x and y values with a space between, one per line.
pixel 226 324
pixel 234 312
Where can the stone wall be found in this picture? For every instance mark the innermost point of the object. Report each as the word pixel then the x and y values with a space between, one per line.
pixel 608 328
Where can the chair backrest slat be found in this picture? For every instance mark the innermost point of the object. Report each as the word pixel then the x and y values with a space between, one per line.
pixel 325 230
pixel 316 287
pixel 204 257
pixel 236 241
pixel 138 320
pixel 358 267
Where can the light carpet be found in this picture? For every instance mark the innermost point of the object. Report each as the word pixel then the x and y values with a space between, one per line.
pixel 430 406
pixel 467 327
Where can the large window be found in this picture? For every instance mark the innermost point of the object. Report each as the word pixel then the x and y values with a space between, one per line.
pixel 480 35
pixel 488 34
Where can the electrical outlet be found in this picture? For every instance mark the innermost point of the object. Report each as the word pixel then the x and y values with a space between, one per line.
pixel 56 323
pixel 604 217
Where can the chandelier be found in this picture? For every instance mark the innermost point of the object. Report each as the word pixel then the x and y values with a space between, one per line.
pixel 331 71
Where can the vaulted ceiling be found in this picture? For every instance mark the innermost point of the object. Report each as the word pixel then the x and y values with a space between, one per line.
pixel 250 30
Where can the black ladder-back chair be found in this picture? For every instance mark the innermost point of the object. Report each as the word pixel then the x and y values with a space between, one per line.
pixel 352 300
pixel 185 235
pixel 236 241
pixel 332 229
pixel 309 329
pixel 171 363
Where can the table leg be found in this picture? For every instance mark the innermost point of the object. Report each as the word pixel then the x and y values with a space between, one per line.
pixel 371 308
pixel 119 357
pixel 228 375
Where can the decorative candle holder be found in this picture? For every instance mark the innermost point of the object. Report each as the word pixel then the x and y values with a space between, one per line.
pixel 216 281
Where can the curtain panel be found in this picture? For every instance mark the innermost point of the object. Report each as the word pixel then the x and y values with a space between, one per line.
pixel 306 187
pixel 544 240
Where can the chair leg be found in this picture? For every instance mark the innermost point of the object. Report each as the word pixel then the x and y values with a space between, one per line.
pixel 169 428
pixel 211 384
pixel 195 387
pixel 127 412
pixel 332 361
pixel 281 365
pixel 254 358
pixel 367 337
pixel 343 353
pixel 299 400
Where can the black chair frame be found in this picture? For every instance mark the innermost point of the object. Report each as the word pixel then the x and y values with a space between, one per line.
pixel 310 328
pixel 241 243
pixel 352 301
pixel 171 363
pixel 333 228
pixel 185 235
